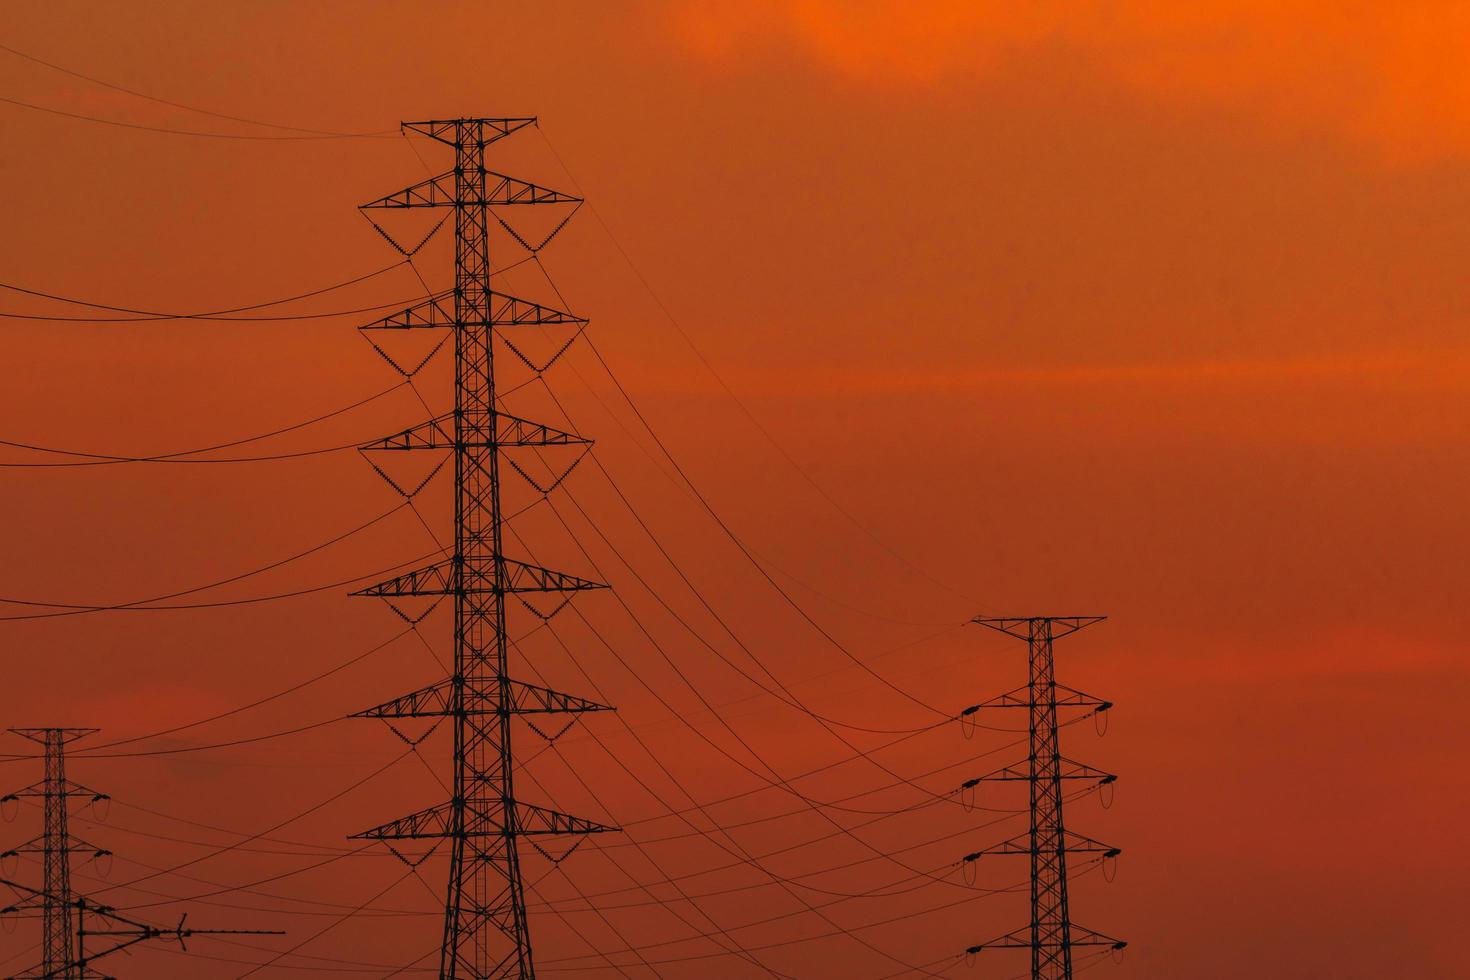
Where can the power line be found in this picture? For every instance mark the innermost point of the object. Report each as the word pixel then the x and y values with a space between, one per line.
pixel 172 131
pixel 153 315
pixel 154 603
pixel 102 459
pixel 314 133
pixel 745 409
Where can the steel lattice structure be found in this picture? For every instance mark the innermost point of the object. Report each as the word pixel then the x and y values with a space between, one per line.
pixel 64 931
pixel 485 928
pixel 58 908
pixel 1051 936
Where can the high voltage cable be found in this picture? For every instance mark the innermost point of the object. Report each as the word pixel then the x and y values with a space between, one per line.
pixel 638 443
pixel 689 341
pixel 166 129
pixel 788 848
pixel 739 739
pixel 734 538
pixel 306 132
pixel 101 459
pixel 756 756
pixel 551 745
pixel 146 315
pixel 740 545
pixel 301 685
pixel 280 317
pixel 263 458
pixel 826 724
pixel 735 947
pixel 269 830
pixel 250 740
pixel 784 695
pixel 779 781
pixel 566 960
pixel 151 604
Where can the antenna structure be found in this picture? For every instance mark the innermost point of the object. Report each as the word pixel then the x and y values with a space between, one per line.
pixel 485 929
pixel 1051 936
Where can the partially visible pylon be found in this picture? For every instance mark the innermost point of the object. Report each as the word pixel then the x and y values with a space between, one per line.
pixel 485 928
pixel 64 953
pixel 1051 936
pixel 59 915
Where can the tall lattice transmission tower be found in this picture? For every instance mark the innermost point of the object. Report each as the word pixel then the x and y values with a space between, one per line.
pixel 57 905
pixel 485 928
pixel 1051 936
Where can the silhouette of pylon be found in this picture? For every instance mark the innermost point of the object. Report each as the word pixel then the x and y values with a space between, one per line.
pixel 1051 936
pixel 485 929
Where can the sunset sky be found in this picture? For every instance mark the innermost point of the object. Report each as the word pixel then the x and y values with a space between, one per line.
pixel 1144 310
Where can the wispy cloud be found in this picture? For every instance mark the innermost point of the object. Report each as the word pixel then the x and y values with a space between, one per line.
pixel 1390 75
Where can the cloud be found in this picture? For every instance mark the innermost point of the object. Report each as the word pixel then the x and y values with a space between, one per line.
pixel 1388 75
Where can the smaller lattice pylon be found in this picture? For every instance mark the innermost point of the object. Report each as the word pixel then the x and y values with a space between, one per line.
pixel 1051 936
pixel 55 846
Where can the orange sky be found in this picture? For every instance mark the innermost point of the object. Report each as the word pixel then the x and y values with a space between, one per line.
pixel 1136 309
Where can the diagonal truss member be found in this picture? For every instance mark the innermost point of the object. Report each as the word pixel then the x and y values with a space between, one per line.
pixel 485 929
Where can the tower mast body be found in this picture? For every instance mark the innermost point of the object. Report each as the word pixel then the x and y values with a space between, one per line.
pixel 1051 936
pixel 485 927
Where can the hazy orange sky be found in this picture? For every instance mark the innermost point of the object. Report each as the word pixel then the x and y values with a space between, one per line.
pixel 1146 310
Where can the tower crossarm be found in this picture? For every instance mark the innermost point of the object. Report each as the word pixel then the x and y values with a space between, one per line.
pixel 1021 626
pixel 1021 772
pixel 435 579
pixel 490 130
pixel 439 579
pixel 41 845
pixel 510 430
pixel 500 310
pixel 438 699
pixel 522 577
pixel 536 821
pixel 1021 698
pixel 1021 938
pixel 1021 844
pixel 68 788
pixel 435 821
pixel 532 699
pixel 499 190
pixel 530 820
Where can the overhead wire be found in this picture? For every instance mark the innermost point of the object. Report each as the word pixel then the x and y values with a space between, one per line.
pixel 154 603
pixel 317 133
pixel 170 130
pixel 744 408
pixel 739 739
pixel 147 315
pixel 729 532
pixel 102 459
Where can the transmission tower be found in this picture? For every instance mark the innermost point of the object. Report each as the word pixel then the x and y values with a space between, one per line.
pixel 485 929
pixel 64 913
pixel 1051 936
pixel 59 920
